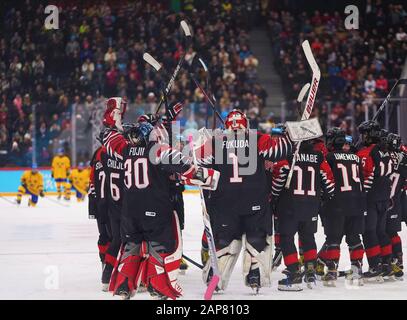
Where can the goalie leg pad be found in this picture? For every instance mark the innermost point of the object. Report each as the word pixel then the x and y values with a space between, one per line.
pixel 159 272
pixel 253 259
pixel 128 268
pixel 162 267
pixel 227 258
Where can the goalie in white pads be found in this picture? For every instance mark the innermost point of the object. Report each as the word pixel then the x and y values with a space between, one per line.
pixel 239 208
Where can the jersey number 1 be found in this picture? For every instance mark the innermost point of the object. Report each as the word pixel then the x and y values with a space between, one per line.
pixel 235 162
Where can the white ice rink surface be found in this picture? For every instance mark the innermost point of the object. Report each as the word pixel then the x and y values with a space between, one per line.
pixel 50 252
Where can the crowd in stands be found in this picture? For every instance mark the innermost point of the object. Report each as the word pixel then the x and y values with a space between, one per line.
pixel 358 67
pixel 97 51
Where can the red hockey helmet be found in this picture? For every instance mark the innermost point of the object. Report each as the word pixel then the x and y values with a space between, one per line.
pixel 115 110
pixel 236 120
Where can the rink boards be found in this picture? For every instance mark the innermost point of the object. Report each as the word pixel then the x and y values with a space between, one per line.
pixel 10 181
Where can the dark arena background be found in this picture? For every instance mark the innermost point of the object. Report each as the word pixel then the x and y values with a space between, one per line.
pixel 61 61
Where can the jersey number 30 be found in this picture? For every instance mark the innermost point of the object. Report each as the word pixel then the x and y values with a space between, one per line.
pixel 139 171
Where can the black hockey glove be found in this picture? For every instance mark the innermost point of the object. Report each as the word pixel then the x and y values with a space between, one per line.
pixel 42 194
pixel 172 111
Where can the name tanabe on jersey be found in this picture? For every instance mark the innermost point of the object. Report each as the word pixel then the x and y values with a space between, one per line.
pixel 305 157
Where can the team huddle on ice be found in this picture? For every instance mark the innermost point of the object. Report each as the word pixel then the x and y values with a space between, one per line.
pixel 137 178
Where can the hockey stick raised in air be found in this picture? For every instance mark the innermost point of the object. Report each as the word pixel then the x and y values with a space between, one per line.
pixel 316 76
pixel 300 98
pixel 209 234
pixel 211 100
pixel 156 65
pixel 383 105
pixel 302 92
pixel 386 101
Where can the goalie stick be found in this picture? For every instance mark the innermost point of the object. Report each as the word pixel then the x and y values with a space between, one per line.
pixel 300 98
pixel 156 65
pixel 316 75
pixel 209 234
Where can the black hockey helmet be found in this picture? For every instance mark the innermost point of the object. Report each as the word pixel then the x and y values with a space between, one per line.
pixel 138 133
pixel 383 136
pixel 127 126
pixel 393 142
pixel 370 131
pixel 335 138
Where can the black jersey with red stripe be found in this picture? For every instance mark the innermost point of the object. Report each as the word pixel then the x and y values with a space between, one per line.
pixel 350 197
pixel 240 159
pixel 377 168
pixel 98 189
pixel 312 176
pixel 398 177
pixel 146 183
pixel 114 170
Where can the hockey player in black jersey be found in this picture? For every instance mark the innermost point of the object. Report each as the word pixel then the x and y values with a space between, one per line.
pixel 344 213
pixel 239 208
pixel 297 210
pixel 377 169
pixel 176 190
pixel 150 229
pixel 114 176
pixel 394 214
pixel 98 203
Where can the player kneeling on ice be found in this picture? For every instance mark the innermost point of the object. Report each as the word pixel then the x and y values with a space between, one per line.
pixel 150 229
pixel 296 205
pixel 239 209
pixel 343 215
pixel 32 183
pixel 79 181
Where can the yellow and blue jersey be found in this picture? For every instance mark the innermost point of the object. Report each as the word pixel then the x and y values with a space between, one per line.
pixel 60 167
